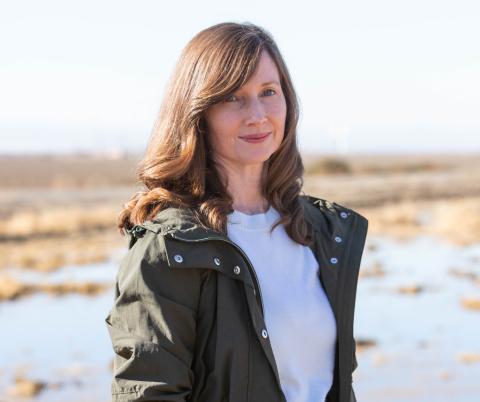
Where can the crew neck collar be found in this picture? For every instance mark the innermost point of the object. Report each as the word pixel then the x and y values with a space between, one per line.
pixel 259 221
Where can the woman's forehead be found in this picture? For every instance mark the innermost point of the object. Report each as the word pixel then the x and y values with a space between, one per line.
pixel 266 72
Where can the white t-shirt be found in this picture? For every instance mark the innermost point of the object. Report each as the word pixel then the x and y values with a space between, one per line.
pixel 299 319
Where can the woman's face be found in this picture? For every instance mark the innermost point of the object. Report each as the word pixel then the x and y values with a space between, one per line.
pixel 258 109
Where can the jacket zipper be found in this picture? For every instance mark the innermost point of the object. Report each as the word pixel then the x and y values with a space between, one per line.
pixel 252 269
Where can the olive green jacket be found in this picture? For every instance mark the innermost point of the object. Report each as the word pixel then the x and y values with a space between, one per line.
pixel 187 321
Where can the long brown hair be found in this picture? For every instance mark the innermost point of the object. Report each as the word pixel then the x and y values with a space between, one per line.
pixel 177 169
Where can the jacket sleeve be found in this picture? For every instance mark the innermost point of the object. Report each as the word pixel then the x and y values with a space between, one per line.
pixel 354 360
pixel 353 398
pixel 354 366
pixel 355 363
pixel 152 325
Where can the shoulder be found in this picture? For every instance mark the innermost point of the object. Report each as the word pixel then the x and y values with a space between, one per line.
pixel 328 207
pixel 150 268
pixel 333 217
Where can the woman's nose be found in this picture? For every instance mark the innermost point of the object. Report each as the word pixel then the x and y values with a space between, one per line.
pixel 256 113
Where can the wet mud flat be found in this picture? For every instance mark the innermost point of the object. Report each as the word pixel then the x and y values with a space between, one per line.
pixel 418 301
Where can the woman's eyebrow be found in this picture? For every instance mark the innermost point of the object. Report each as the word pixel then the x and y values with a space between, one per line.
pixel 271 82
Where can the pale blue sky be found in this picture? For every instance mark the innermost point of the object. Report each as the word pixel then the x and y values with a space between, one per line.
pixel 372 76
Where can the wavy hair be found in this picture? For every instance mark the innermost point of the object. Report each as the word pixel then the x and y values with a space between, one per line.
pixel 177 169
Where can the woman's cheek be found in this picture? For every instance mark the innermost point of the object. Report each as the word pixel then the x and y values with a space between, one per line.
pixel 231 119
pixel 277 107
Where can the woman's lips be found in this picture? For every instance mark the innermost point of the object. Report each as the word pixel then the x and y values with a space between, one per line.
pixel 255 138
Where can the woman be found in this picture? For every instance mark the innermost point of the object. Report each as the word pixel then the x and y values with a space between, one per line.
pixel 236 286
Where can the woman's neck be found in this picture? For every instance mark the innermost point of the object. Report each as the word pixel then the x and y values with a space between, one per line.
pixel 244 186
pixel 251 208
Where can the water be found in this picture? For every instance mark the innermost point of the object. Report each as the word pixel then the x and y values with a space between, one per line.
pixel 419 336
pixel 59 340
pixel 64 341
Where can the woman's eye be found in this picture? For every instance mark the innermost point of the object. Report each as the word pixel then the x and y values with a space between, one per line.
pixel 269 92
pixel 231 98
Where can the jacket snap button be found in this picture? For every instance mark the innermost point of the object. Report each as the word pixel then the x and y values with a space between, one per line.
pixel 216 260
pixel 333 260
pixel 138 231
pixel 264 333
pixel 178 258
pixel 236 269
pixel 343 214
pixel 338 239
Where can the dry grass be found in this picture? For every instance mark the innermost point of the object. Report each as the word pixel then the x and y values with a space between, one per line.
pixel 51 253
pixel 26 388
pixel 58 221
pixel 67 171
pixel 468 357
pixel 411 289
pixel 471 303
pixel 46 226
pixel 376 270
pixel 455 220
pixel 11 289
pixel 362 344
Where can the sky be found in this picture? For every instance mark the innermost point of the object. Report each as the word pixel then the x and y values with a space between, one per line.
pixel 372 76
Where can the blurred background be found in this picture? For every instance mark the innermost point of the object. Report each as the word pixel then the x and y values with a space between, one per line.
pixel 390 126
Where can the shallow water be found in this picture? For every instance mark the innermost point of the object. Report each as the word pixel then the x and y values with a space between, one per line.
pixel 64 341
pixel 419 336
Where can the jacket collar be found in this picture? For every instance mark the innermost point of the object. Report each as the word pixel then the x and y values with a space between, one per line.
pixel 181 224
